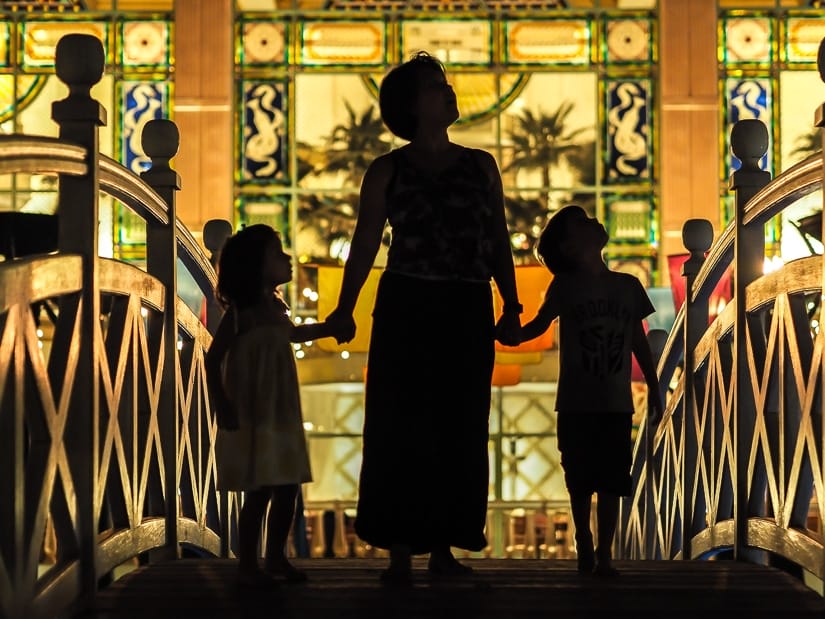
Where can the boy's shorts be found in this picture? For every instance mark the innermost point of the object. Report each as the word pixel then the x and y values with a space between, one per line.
pixel 596 452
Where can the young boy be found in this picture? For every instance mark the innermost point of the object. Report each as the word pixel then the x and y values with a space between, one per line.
pixel 600 324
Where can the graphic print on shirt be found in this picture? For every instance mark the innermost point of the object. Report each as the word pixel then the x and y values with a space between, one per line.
pixel 601 336
pixel 601 349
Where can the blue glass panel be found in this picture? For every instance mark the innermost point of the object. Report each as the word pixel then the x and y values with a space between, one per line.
pixel 748 98
pixel 628 133
pixel 142 101
pixel 263 131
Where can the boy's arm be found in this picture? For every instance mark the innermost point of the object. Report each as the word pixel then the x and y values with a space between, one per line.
pixel 546 315
pixel 226 414
pixel 644 356
pixel 312 331
pixel 536 327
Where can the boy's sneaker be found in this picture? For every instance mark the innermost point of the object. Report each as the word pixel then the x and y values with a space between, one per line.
pixel 585 563
pixel 604 566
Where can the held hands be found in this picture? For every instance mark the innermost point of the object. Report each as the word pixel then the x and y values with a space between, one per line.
pixel 342 326
pixel 508 329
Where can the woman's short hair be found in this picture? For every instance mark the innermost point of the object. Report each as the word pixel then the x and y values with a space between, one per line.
pixel 240 265
pixel 399 91
pixel 549 246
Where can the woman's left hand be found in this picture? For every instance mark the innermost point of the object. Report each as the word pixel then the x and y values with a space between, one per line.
pixel 508 329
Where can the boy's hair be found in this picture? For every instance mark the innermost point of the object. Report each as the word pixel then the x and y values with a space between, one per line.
pixel 399 92
pixel 240 265
pixel 549 246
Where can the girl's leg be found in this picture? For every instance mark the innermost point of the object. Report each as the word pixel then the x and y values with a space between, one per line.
pixel 580 507
pixel 607 513
pixel 249 530
pixel 281 515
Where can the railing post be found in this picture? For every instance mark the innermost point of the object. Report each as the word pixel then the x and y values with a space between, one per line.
pixel 215 233
pixel 657 338
pixel 160 140
pixel 749 142
pixel 697 237
pixel 819 121
pixel 79 60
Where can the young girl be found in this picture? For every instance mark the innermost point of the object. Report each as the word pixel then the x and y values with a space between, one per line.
pixel 600 325
pixel 252 380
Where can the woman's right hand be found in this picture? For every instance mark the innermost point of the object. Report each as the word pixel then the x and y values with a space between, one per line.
pixel 342 325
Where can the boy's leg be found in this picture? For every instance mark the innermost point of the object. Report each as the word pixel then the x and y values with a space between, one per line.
pixel 607 513
pixel 580 506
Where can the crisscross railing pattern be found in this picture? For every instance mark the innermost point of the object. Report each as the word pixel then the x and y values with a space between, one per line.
pixel 106 434
pixel 736 465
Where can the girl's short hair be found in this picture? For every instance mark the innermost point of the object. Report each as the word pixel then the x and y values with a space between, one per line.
pixel 240 265
pixel 399 92
pixel 548 248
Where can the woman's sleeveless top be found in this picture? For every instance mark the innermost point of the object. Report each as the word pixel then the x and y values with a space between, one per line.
pixel 442 223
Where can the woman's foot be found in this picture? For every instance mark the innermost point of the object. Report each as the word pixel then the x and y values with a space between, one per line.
pixel 444 564
pixel 399 572
pixel 255 578
pixel 285 570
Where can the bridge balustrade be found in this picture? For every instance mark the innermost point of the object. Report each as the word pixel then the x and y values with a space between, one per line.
pixel 736 465
pixel 106 433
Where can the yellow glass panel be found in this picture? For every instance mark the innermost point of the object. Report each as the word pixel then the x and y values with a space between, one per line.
pixel 549 41
pixel 804 35
pixel 329 284
pixel 338 43
pixel 40 39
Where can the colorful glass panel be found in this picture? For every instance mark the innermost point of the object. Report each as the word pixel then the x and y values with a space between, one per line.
pixel 628 40
pixel 748 98
pixel 454 42
pixel 263 42
pixel 145 44
pixel 342 43
pixel 262 137
pixel 560 41
pixel 40 39
pixel 748 40
pixel 142 101
pixel 629 150
pixel 803 37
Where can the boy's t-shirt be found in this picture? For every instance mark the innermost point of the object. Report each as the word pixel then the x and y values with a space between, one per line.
pixel 597 314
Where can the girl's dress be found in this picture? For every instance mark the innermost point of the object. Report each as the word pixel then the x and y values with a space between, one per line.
pixel 269 448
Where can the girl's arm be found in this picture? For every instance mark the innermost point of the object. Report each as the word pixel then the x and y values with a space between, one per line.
pixel 225 412
pixel 311 331
pixel 644 357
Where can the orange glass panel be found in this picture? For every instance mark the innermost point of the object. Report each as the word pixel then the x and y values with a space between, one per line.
pixel 531 282
pixel 504 375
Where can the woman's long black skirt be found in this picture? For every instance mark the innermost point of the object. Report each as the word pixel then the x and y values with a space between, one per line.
pixel 425 470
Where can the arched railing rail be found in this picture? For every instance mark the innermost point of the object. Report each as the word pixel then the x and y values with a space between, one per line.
pixel 736 465
pixel 106 433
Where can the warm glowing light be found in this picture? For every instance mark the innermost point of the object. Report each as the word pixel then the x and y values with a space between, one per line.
pixel 344 354
pixel 772 264
pixel 40 333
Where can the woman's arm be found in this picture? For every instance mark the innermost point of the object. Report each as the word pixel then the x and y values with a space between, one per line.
pixel 504 274
pixel 366 239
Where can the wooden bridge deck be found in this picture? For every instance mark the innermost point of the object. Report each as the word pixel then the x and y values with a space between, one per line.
pixel 500 588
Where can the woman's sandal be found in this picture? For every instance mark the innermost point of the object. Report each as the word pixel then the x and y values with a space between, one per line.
pixel 396 577
pixel 448 569
pixel 288 572
pixel 257 579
